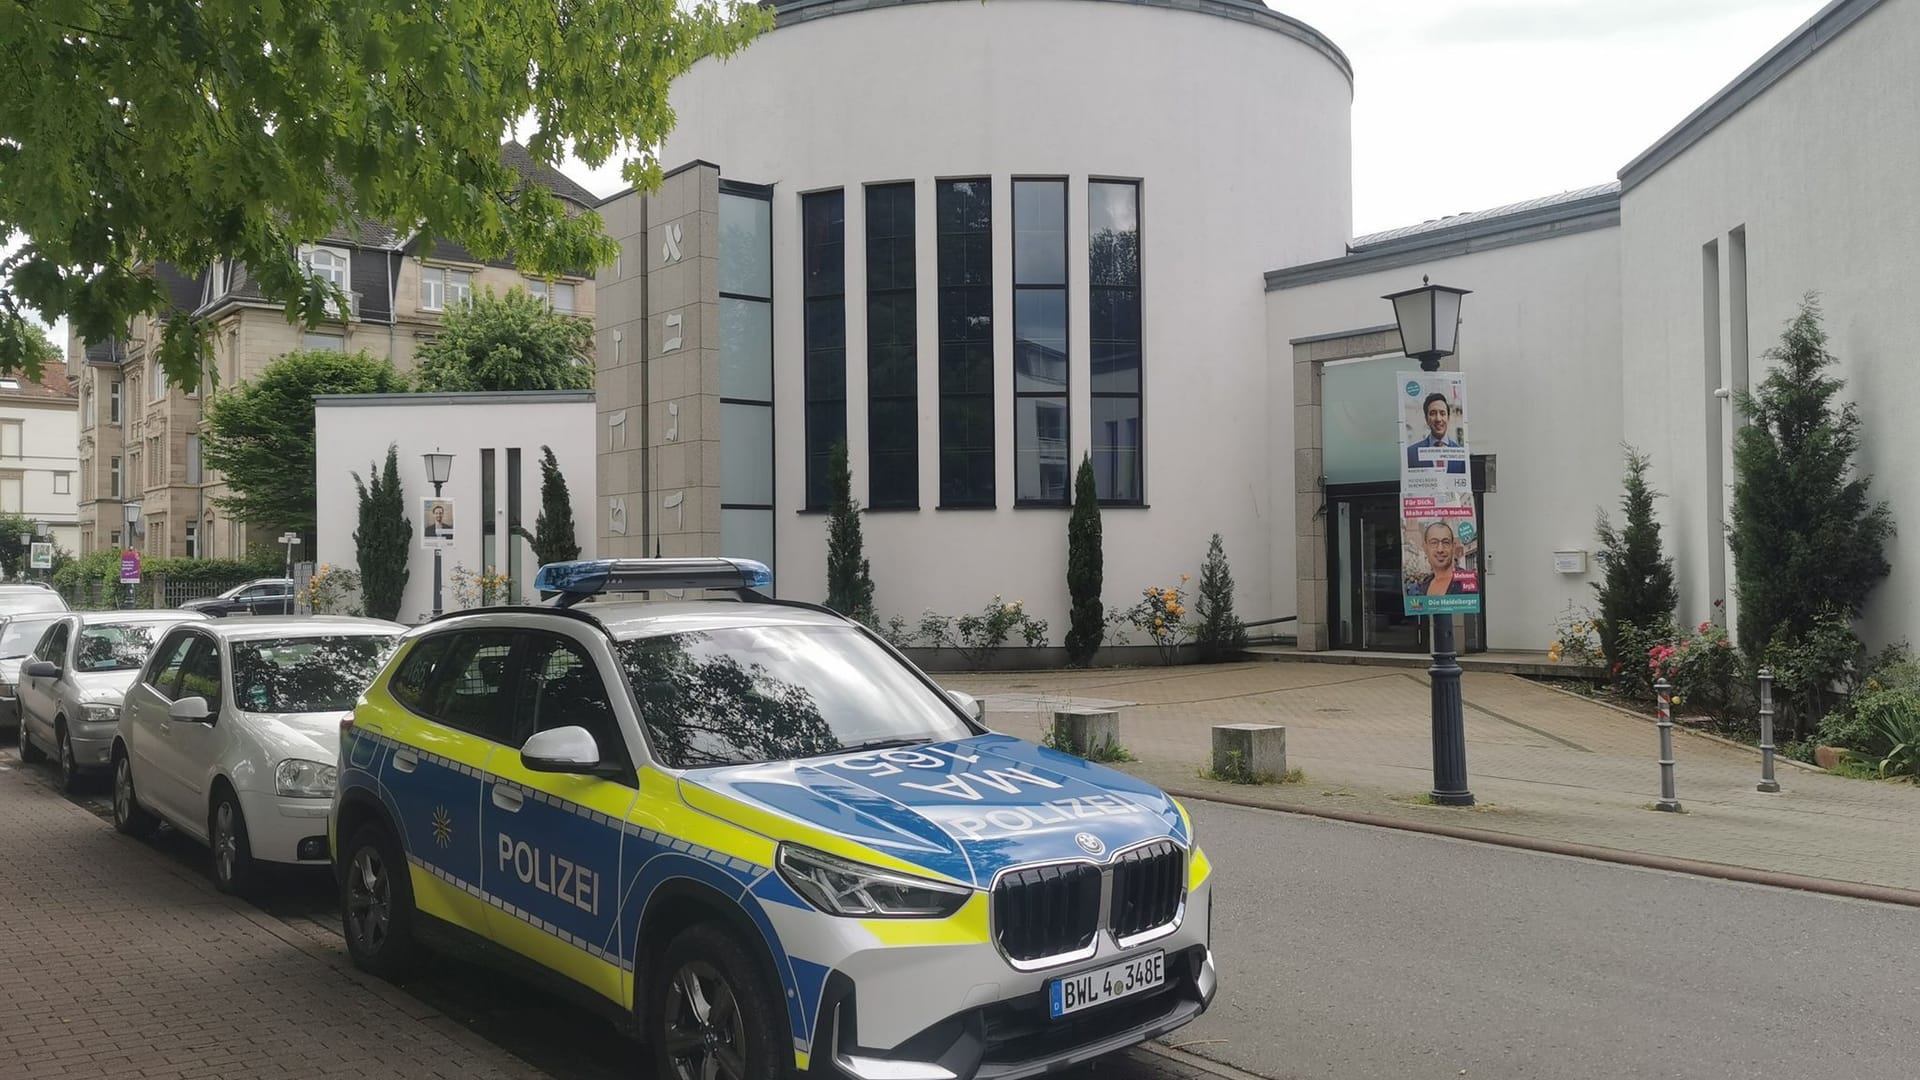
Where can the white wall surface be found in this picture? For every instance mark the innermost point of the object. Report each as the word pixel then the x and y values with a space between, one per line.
pixel 49 444
pixel 1823 172
pixel 1241 138
pixel 352 436
pixel 1540 344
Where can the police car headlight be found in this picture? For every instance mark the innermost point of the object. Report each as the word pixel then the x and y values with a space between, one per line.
pixel 840 887
pixel 102 714
pixel 303 779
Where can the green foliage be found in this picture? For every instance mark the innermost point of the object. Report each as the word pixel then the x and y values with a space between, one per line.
pixel 260 434
pixel 1891 689
pixel 1087 619
pixel 1807 539
pixel 1107 751
pixel 1699 666
pixel 552 537
pixel 26 337
pixel 1814 673
pixel 1894 723
pixel 1161 614
pixel 14 551
pixel 1220 633
pixel 384 539
pixel 1576 639
pixel 193 132
pixel 849 578
pixel 512 342
pixel 977 636
pixel 1636 588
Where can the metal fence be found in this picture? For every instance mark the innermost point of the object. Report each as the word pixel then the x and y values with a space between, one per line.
pixel 155 591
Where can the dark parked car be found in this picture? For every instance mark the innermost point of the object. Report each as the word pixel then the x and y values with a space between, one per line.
pixel 264 596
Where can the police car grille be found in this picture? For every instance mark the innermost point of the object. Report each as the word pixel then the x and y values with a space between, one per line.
pixel 1148 884
pixel 1046 910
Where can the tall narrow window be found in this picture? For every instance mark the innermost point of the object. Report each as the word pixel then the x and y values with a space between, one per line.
pixel 113 402
pixel 113 478
pixel 512 566
pixel 746 371
pixel 11 432
pixel 1113 287
pixel 965 215
pixel 489 503
pixel 1041 467
pixel 893 474
pixel 823 263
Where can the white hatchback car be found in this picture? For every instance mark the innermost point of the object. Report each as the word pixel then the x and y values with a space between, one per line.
pixel 232 730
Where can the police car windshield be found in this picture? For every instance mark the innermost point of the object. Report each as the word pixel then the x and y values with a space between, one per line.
pixel 306 674
pixel 774 693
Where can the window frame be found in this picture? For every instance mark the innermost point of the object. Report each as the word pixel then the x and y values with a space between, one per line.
pixel 817 359
pixel 508 689
pixel 115 394
pixel 14 431
pixel 1064 393
pixel 531 642
pixel 62 482
pixel 954 292
pixel 203 642
pixel 885 466
pixel 1137 395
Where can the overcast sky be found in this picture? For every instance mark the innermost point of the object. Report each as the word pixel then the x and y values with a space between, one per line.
pixel 1467 104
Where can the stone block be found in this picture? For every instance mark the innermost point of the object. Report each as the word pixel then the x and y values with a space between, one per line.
pixel 1086 732
pixel 1256 751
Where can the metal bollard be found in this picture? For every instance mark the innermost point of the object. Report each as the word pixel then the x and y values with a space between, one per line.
pixel 1767 782
pixel 1667 801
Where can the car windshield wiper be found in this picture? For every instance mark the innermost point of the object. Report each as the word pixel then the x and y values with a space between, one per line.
pixel 879 744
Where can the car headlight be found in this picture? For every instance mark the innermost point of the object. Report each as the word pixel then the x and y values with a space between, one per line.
pixel 102 714
pixel 840 887
pixel 304 779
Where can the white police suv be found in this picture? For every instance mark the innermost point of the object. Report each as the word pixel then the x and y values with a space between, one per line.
pixel 757 832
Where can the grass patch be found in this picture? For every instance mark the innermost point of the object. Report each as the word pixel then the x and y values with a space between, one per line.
pixel 1239 772
pixel 1855 768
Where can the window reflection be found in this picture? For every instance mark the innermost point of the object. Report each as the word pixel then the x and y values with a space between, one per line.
pixel 303 675
pixel 112 647
pixel 774 693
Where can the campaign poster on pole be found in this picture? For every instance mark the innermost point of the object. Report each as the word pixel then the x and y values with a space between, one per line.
pixel 1440 571
pixel 40 557
pixel 436 523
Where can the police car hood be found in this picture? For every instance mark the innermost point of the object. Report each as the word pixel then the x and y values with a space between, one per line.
pixel 964 810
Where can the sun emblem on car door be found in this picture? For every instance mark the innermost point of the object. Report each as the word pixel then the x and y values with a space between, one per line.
pixel 442 826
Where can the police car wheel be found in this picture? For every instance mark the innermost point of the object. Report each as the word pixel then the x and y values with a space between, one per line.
pixel 233 869
pixel 704 1019
pixel 376 904
pixel 128 816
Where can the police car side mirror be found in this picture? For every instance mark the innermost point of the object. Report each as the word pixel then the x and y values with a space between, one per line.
pixel 972 706
pixel 562 750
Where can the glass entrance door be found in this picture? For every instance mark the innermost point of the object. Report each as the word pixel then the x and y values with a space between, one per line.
pixel 1367 586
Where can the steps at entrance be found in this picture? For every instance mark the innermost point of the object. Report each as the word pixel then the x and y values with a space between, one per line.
pixel 1510 662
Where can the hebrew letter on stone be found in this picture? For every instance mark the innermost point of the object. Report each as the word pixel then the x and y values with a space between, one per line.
pixel 617 516
pixel 670 249
pixel 617 430
pixel 673 421
pixel 672 502
pixel 671 340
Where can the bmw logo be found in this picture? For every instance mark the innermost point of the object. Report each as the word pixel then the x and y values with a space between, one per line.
pixel 1090 843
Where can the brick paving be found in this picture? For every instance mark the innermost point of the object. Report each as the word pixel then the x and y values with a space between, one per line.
pixel 1542 763
pixel 121 963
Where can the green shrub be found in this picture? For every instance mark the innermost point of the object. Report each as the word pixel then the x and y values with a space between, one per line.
pixel 1700 668
pixel 1814 673
pixel 1087 619
pixel 977 637
pixel 1220 634
pixel 1892 721
pixel 1636 590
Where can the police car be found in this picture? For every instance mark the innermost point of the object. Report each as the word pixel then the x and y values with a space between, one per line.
pixel 759 834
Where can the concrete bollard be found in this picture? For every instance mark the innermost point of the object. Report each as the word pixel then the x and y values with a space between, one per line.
pixel 1086 732
pixel 1261 748
pixel 1663 694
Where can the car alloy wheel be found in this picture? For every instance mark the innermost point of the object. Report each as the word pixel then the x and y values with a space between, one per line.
pixel 233 870
pixel 369 901
pixel 29 753
pixel 128 817
pixel 706 1037
pixel 69 768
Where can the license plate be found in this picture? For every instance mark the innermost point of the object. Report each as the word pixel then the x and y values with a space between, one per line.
pixel 1091 988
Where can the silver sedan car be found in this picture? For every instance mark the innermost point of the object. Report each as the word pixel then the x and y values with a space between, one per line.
pixel 70 689
pixel 18 636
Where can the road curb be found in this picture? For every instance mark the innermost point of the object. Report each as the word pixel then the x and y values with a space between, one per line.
pixel 1884 894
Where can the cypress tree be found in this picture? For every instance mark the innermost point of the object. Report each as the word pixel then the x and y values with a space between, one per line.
pixel 1636 589
pixel 552 537
pixel 1805 534
pixel 1221 633
pixel 383 541
pixel 849 578
pixel 1086 618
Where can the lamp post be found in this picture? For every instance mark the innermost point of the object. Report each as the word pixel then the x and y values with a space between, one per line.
pixel 132 510
pixel 1429 321
pixel 439 468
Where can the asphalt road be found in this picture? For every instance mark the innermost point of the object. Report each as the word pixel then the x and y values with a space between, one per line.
pixel 1353 952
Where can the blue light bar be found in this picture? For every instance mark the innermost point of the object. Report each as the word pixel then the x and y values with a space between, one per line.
pixel 591 576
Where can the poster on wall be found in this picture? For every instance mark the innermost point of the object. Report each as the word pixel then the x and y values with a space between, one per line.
pixel 436 523
pixel 1440 547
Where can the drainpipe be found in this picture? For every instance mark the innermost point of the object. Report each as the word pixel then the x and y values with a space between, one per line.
pixel 646 383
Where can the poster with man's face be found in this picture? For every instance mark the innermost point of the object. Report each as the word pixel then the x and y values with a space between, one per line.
pixel 436 523
pixel 1441 551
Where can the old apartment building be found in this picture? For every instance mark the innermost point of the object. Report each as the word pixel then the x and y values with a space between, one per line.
pixel 142 480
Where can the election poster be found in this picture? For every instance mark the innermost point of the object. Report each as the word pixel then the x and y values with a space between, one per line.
pixel 436 523
pixel 1441 550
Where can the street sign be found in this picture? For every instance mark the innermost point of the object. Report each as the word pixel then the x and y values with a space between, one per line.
pixel 40 557
pixel 129 567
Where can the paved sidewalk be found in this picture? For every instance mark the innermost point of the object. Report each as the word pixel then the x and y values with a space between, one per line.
pixel 120 964
pixel 1543 764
